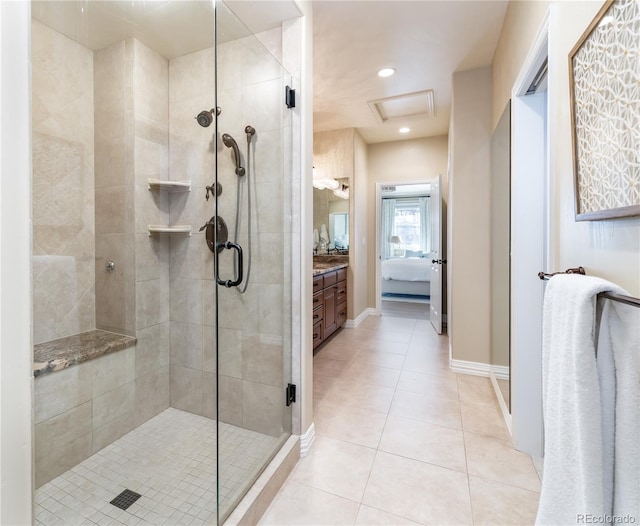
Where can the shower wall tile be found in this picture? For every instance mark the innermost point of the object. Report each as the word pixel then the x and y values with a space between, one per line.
pixel 192 160
pixel 186 345
pixel 262 105
pixel 151 208
pixel 269 258
pixel 152 257
pixel 63 185
pixel 152 158
pixel 152 302
pixel 262 359
pixel 110 161
pixel 268 148
pixel 152 394
pixel 186 389
pixel 271 320
pixel 60 392
pixel 113 370
pixel 110 91
pixel 262 408
pixel 230 350
pixel 151 80
pixel 186 300
pixel 62 442
pixel 188 257
pixel 115 306
pixel 192 76
pixel 114 210
pixel 113 415
pixel 152 349
pixel 209 395
pixel 229 70
pixel 258 64
pixel 230 402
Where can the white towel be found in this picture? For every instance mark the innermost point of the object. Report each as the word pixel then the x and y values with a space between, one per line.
pixel 572 486
pixel 619 367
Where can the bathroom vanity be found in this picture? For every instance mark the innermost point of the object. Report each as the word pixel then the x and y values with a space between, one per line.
pixel 329 298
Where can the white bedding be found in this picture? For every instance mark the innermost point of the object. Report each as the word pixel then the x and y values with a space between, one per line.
pixel 406 269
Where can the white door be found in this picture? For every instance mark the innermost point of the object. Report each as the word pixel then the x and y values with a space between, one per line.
pixel 436 256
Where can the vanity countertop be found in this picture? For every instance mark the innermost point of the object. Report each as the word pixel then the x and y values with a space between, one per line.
pixel 324 264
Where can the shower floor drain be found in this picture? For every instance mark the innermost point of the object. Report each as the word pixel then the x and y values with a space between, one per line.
pixel 125 499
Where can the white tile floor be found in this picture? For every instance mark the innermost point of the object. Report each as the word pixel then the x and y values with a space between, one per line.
pixel 171 461
pixel 403 440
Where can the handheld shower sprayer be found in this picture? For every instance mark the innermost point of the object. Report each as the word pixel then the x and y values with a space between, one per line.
pixel 205 118
pixel 230 142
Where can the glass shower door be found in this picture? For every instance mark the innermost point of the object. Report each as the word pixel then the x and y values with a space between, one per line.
pixel 253 315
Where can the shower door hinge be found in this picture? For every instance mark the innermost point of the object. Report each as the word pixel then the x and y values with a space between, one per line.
pixel 290 97
pixel 290 394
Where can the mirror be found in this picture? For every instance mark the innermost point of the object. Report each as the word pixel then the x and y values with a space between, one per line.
pixel 500 252
pixel 331 211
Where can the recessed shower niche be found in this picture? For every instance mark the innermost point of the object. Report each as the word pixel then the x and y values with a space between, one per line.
pixel 121 173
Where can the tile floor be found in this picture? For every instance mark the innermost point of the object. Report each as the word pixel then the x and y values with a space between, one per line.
pixel 400 439
pixel 171 461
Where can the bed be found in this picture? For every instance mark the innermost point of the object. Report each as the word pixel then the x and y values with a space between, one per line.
pixel 407 276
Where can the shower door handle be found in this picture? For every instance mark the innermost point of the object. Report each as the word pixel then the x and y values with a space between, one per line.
pixel 231 283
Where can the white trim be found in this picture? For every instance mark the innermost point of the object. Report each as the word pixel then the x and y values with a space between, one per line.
pixel 506 415
pixel 378 284
pixel 352 324
pixel 306 440
pixel 472 368
pixel 534 59
pixel 529 244
pixel 501 372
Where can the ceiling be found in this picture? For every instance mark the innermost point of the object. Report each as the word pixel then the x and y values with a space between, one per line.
pixel 425 41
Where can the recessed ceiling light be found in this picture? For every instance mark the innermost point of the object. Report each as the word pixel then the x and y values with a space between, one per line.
pixel 404 130
pixel 386 72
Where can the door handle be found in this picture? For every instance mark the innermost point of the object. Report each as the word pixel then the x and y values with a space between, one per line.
pixel 439 261
pixel 230 283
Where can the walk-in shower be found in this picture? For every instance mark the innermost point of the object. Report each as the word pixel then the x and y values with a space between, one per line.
pixel 159 389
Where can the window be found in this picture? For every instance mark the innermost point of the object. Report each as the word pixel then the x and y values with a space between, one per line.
pixel 405 226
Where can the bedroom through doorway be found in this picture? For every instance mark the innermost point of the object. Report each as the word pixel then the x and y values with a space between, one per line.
pixel 408 246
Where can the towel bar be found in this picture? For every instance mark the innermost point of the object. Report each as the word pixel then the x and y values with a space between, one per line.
pixel 628 300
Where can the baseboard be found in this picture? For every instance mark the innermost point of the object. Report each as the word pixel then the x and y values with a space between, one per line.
pixel 473 368
pixel 506 415
pixel 352 324
pixel 306 440
pixel 501 372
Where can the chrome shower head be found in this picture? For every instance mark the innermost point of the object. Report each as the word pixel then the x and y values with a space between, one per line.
pixel 230 142
pixel 205 118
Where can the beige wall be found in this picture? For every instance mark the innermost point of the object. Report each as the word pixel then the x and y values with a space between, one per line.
pixel 470 217
pixel 610 249
pixel 401 161
pixel 359 268
pixel 63 186
pixel 520 26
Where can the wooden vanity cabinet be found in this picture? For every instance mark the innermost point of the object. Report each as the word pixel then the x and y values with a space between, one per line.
pixel 329 304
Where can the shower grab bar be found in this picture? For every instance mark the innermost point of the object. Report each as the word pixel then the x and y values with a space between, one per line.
pixel 621 298
pixel 230 283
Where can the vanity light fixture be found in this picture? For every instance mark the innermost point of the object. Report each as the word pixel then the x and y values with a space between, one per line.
pixel 342 192
pixel 404 130
pixel 321 183
pixel 386 72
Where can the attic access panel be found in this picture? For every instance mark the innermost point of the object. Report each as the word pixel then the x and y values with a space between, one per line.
pixel 418 104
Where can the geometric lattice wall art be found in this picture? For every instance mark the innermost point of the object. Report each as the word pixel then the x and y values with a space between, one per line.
pixel 605 99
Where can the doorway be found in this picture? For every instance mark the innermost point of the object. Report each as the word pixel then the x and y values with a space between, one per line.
pixel 408 236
